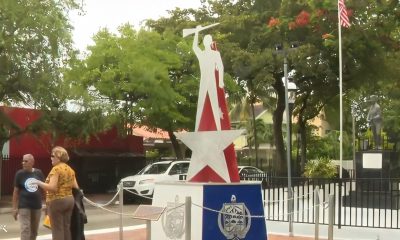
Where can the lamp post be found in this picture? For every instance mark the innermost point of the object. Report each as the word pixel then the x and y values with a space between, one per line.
pixel 292 89
pixel 353 118
pixel 280 49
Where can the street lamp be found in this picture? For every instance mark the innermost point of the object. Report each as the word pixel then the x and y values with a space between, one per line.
pixel 292 90
pixel 280 49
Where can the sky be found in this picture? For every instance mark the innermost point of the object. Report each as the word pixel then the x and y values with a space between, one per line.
pixel 113 13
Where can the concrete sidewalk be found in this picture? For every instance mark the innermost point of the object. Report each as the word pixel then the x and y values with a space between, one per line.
pixel 139 233
pixel 277 230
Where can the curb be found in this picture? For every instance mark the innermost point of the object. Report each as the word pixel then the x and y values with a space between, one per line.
pixel 6 210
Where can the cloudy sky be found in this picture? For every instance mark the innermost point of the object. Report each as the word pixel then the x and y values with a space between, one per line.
pixel 113 13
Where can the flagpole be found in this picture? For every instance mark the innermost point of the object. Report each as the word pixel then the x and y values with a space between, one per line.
pixel 340 95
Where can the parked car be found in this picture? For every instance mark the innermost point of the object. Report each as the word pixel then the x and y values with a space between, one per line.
pixel 246 172
pixel 142 184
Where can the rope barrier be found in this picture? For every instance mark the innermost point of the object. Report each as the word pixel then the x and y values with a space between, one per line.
pixel 325 205
pixel 168 209
pixel 105 209
pixel 105 204
pixel 258 216
pixel 305 196
pixel 138 194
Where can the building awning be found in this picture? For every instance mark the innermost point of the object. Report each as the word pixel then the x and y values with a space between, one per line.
pixel 147 133
pixel 105 154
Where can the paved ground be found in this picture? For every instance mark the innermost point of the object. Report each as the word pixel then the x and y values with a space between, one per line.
pixel 141 235
pixel 277 230
pixel 129 234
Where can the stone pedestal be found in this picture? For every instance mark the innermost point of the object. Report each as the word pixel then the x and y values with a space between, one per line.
pixel 218 211
pixel 376 164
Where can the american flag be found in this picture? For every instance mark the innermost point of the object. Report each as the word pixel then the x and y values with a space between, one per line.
pixel 343 17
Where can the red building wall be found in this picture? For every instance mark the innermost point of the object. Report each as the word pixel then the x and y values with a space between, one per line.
pixel 40 146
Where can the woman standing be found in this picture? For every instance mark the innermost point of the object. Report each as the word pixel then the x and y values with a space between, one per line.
pixel 59 199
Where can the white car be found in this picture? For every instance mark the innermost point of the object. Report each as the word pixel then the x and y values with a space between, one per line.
pixel 250 172
pixel 142 184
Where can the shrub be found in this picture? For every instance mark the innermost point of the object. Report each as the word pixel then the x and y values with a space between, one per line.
pixel 320 168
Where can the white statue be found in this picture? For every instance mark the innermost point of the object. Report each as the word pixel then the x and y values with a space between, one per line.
pixel 210 62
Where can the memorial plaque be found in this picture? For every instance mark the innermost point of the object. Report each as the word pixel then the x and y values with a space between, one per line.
pixel 147 212
pixel 372 160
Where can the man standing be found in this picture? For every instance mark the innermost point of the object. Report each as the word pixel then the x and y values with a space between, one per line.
pixel 374 118
pixel 27 198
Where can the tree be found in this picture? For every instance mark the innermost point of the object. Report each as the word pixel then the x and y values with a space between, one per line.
pixel 131 74
pixel 35 43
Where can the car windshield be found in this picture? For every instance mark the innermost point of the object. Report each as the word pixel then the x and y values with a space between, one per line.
pixel 155 168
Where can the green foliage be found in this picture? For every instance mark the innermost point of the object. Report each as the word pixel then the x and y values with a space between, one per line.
pixel 328 146
pixel 247 39
pixel 130 73
pixel 35 44
pixel 320 168
pixel 152 154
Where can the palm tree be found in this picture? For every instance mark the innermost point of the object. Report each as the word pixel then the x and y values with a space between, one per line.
pixel 255 135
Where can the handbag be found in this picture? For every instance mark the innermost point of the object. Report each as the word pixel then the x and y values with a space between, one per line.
pixel 46 221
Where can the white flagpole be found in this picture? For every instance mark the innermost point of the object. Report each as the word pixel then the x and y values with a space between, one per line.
pixel 340 95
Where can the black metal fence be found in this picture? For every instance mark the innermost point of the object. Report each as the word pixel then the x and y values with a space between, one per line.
pixel 371 203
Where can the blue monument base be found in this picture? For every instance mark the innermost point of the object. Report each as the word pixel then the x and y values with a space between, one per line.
pixel 219 211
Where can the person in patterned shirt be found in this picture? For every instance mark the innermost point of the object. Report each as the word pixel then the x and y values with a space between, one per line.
pixel 59 199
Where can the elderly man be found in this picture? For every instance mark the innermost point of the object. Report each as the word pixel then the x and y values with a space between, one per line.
pixel 27 198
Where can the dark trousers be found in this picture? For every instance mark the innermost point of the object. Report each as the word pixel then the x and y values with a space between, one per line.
pixel 60 211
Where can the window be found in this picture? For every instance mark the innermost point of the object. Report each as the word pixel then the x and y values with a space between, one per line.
pixel 179 168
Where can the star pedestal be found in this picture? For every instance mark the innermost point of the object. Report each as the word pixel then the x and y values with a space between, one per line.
pixel 219 211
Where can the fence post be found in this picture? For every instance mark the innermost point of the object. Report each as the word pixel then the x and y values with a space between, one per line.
pixel 188 218
pixel 121 206
pixel 290 210
pixel 331 216
pixel 340 204
pixel 316 210
pixel 148 229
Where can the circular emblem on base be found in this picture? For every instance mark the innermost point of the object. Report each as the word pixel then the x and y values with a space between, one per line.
pixel 234 220
pixel 173 220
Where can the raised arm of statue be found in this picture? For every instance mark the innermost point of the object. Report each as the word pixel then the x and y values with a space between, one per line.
pixel 220 67
pixel 195 45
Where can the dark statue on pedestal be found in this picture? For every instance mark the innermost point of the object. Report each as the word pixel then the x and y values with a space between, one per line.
pixel 374 118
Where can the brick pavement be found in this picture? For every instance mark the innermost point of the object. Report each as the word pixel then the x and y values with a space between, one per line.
pixel 140 234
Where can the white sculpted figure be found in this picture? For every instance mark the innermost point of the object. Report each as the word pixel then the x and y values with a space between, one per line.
pixel 209 61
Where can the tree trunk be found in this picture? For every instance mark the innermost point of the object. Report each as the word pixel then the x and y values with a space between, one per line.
pixel 2 142
pixel 303 137
pixel 254 131
pixel 175 145
pixel 277 125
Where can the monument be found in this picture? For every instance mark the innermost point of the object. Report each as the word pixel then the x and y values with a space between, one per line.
pixel 374 119
pixel 377 158
pixel 221 207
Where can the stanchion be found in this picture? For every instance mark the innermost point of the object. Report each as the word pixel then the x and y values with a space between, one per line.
pixel 316 210
pixel 331 216
pixel 290 211
pixel 148 229
pixel 188 218
pixel 121 206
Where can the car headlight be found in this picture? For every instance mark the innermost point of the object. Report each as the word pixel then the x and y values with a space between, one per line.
pixel 128 183
pixel 146 181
